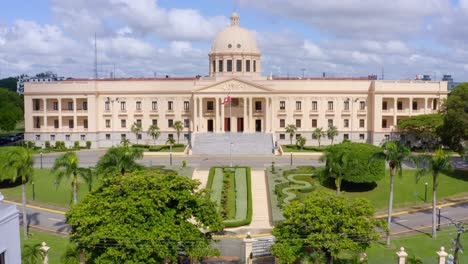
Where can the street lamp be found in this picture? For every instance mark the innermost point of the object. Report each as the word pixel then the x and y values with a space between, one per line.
pixel 41 157
pixel 425 192
pixel 438 217
pixel 33 191
pixel 291 161
pixel 111 100
pixel 170 154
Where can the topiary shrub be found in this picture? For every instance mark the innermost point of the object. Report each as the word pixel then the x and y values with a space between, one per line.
pixel 47 144
pixel 76 144
pixel 88 144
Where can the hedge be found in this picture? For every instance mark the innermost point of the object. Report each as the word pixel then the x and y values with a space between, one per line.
pixel 365 171
pixel 156 148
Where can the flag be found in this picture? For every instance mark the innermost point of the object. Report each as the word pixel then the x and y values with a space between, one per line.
pixel 227 99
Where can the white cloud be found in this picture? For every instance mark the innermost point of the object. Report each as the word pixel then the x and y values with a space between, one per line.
pixel 313 50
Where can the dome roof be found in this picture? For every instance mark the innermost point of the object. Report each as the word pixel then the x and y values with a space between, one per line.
pixel 235 39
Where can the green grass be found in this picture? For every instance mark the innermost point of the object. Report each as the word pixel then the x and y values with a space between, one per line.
pixel 294 148
pixel 241 200
pixel 57 244
pixel 231 198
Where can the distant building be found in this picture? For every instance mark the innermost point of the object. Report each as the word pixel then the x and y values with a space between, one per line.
pixel 450 83
pixel 426 77
pixel 10 248
pixel 47 76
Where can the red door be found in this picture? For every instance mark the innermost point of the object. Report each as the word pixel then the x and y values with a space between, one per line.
pixel 240 124
pixel 227 124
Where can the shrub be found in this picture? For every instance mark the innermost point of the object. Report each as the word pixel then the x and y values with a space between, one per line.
pixel 31 144
pixel 88 144
pixel 76 144
pixel 184 163
pixel 59 145
pixel 47 144
pixel 141 146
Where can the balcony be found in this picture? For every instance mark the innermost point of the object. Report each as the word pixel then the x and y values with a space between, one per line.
pixel 387 111
pixel 403 111
pixel 82 111
pixel 209 113
pixel 345 112
pixel 362 112
pixel 330 112
pixel 258 113
pixel 313 112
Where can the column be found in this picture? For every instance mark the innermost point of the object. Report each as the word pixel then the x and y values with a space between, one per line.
pixel 194 114
pixel 248 249
pixel 244 101
pixel 251 119
pixel 216 108
pixel 222 117
pixel 60 112
pixel 75 123
pixel 267 114
pixel 44 110
pixel 395 111
pixel 410 106
pixel 425 105
pixel 200 107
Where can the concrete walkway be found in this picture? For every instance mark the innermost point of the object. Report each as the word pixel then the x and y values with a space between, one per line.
pixel 202 176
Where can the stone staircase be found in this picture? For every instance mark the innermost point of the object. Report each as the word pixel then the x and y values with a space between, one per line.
pixel 242 144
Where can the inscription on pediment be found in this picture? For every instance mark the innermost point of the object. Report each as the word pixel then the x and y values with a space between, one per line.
pixel 233 86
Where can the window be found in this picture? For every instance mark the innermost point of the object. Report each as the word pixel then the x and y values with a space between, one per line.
pixel 37 104
pixel 282 136
pixel 330 105
pixel 170 105
pixel 170 122
pixel 345 136
pixel 55 106
pixel 387 137
pixel 282 123
pixel 384 123
pixel 247 65
pixel 52 137
pixel 214 66
pixel 298 123
pixel 361 123
pixel 139 136
pixel 186 105
pixel 400 105
pixel 298 105
pixel 138 121
pixel 346 123
pixel 85 105
pixel 56 123
pixel 138 105
pixel 170 135
pixel 38 137
pixel 314 122
pixel 107 106
pixel 123 106
pixel 330 122
pixel 362 136
pixel 108 123
pixel 229 65
pixel 70 124
pixel 209 106
pixel 298 136
pixel 282 105
pixel 238 65
pixel 123 123
pixel 83 137
pixel 67 137
pixel 37 122
pixel 154 105
pixel 384 105
pixel 70 105
pixel 85 123
pixel 362 105
pixel 123 137
pixel 220 66
pixel 258 105
pixel 254 66
pixel 314 105
pixel 186 136
pixel 154 122
pixel 346 105
pixel 415 105
pixel 434 104
pixel 108 137
pixel 186 123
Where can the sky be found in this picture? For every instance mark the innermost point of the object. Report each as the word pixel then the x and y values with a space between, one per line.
pixel 147 38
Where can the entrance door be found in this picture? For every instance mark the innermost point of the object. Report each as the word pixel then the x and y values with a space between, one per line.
pixel 210 125
pixel 258 125
pixel 240 124
pixel 227 124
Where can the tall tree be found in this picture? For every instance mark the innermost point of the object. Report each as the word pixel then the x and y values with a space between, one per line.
pixel 326 223
pixel 178 126
pixel 291 130
pixel 433 165
pixel 332 132
pixel 11 110
pixel 154 216
pixel 339 165
pixel 18 163
pixel 317 134
pixel 136 129
pixel 154 132
pixel 423 126
pixel 394 154
pixel 301 141
pixel 119 160
pixel 67 166
pixel 170 141
pixel 9 83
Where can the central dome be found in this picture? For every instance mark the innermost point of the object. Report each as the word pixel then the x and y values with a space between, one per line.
pixel 235 39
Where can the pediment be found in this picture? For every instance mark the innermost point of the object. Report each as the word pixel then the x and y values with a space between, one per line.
pixel 234 86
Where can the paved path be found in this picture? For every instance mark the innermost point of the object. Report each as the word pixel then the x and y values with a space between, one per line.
pixel 202 176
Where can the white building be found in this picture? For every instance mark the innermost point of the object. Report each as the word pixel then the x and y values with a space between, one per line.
pixel 10 247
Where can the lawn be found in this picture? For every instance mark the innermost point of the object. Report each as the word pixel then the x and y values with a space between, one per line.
pixel 57 244
pixel 294 148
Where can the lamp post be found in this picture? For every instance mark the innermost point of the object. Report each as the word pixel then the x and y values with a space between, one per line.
pixel 111 100
pixel 33 191
pixel 425 192
pixel 170 154
pixel 438 218
pixel 291 161
pixel 41 157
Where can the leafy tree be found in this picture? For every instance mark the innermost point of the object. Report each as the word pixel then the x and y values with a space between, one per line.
pixel 326 223
pixel 433 165
pixel 9 84
pixel 339 165
pixel 32 254
pixel 317 134
pixel 119 160
pixel 170 141
pixel 394 154
pixel 18 163
pixel 178 126
pixel 332 132
pixel 301 141
pixel 154 132
pixel 291 130
pixel 454 132
pixel 125 142
pixel 144 217
pixel 423 126
pixel 67 165
pixel 71 255
pixel 11 110
pixel 136 129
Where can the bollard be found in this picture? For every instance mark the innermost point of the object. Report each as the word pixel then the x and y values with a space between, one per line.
pixel 247 241
pixel 402 256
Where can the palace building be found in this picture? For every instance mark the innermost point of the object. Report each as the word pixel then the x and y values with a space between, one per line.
pixel 103 110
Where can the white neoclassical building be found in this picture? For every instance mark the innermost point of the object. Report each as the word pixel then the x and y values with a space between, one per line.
pixel 103 110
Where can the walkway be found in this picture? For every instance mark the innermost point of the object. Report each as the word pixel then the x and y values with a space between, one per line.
pixel 202 176
pixel 242 143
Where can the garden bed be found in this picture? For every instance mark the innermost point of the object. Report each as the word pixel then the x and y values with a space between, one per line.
pixel 230 188
pixel 160 148
pixel 295 148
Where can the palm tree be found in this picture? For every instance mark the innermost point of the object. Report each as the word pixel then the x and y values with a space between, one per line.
pixel 339 165
pixel 18 164
pixel 394 154
pixel 301 141
pixel 433 165
pixel 178 126
pixel 332 132
pixel 125 142
pixel 154 132
pixel 170 141
pixel 32 254
pixel 136 129
pixel 318 133
pixel 291 130
pixel 119 160
pixel 67 165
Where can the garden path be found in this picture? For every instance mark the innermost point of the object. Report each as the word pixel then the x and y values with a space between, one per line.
pixel 202 176
pixel 261 213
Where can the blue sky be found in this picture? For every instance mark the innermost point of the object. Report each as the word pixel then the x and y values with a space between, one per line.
pixel 147 37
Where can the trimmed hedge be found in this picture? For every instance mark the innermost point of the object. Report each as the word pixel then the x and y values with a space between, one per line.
pixel 365 171
pixel 157 148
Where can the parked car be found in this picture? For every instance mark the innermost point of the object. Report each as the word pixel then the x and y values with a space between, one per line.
pixel 3 140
